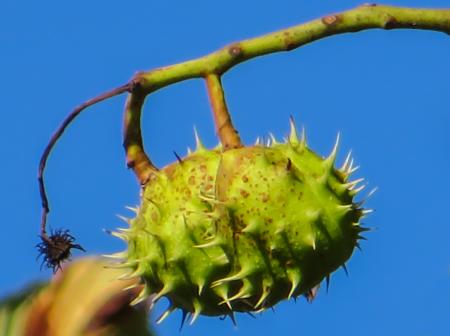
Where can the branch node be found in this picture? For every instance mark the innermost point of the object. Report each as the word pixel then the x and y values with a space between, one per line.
pixel 235 50
pixel 137 82
pixel 331 20
pixel 289 41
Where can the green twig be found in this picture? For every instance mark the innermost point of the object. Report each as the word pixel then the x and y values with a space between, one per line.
pixel 361 18
pixel 224 127
pixel 136 158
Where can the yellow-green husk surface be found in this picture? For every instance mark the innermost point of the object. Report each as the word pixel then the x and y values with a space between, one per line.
pixel 230 231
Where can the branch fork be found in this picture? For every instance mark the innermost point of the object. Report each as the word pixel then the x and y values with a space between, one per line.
pixel 211 67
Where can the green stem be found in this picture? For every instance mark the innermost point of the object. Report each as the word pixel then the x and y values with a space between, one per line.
pixel 136 157
pixel 224 127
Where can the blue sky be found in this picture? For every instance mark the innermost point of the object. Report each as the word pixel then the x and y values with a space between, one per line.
pixel 387 92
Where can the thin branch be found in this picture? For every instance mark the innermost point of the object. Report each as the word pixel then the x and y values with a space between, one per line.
pixel 365 17
pixel 226 132
pixel 45 204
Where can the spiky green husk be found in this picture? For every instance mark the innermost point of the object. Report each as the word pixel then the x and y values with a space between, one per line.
pixel 240 230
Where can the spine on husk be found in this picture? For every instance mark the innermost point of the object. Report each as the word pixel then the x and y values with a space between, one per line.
pixel 237 231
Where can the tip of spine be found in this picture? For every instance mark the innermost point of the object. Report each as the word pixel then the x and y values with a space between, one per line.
pixel 294 278
pixel 365 212
pixel 293 137
pixel 303 138
pixel 135 210
pixel 222 259
pixel 165 314
pixel 194 318
pixel 119 235
pixel 263 298
pixel 334 151
pixel 345 165
pixel 198 143
pixel 359 189
pixel 344 267
pixel 226 301
pixel 201 286
pixel 166 289
pixel 197 310
pixel 185 315
pixel 273 139
pixel 131 287
pixel 331 159
pixel 345 208
pixel 352 185
pixel 312 293
pixel 363 229
pixel 125 219
pixel 128 265
pixel 214 242
pixel 125 276
pixel 243 293
pixel 143 295
pixel 222 292
pixel 352 170
pixel 237 276
pixel 258 141
pixel 117 256
pixel 373 191
pixel 233 319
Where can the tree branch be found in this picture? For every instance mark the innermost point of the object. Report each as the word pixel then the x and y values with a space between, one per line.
pixel 365 17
